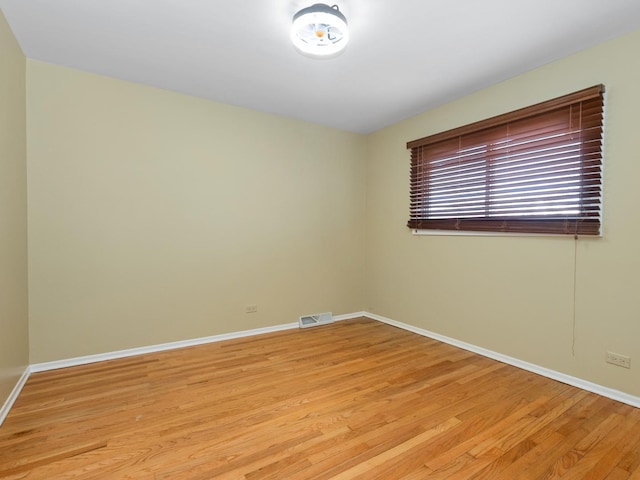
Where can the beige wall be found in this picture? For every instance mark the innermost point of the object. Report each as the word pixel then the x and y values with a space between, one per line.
pixel 515 295
pixel 14 341
pixel 156 217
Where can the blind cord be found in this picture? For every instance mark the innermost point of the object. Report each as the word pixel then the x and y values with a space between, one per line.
pixel 575 276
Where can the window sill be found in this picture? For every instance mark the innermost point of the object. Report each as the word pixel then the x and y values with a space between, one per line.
pixel 468 233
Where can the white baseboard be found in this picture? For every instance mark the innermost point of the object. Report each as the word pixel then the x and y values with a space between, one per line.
pixel 13 396
pixel 100 357
pixel 349 316
pixel 561 377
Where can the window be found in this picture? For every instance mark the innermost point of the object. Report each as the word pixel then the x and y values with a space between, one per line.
pixel 534 170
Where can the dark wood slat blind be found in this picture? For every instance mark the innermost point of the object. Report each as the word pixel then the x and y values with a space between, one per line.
pixel 534 170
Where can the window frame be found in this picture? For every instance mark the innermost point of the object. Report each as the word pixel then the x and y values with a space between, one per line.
pixel 582 132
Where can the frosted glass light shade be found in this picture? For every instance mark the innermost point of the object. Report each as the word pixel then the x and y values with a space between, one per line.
pixel 320 31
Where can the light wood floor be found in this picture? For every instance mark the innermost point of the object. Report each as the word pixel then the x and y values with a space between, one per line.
pixel 352 400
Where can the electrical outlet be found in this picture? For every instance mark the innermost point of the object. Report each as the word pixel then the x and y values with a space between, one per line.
pixel 619 360
pixel 251 309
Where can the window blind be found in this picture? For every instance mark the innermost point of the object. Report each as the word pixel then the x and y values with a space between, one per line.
pixel 534 170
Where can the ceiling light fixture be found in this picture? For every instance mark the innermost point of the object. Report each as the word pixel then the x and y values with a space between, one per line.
pixel 320 31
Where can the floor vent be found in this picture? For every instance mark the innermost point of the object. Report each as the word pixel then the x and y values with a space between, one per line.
pixel 315 320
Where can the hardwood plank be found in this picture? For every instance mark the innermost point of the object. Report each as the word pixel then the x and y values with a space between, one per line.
pixel 352 400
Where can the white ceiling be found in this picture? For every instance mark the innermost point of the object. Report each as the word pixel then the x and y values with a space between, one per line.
pixel 404 56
